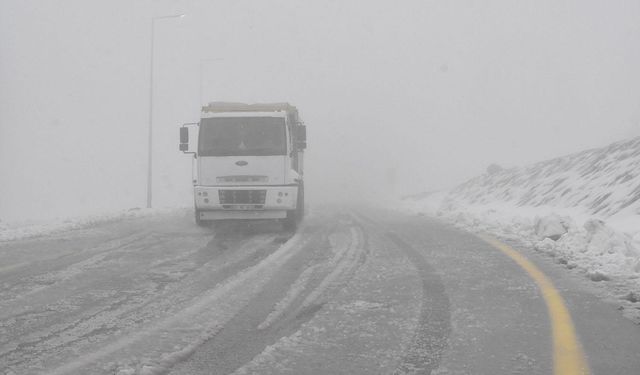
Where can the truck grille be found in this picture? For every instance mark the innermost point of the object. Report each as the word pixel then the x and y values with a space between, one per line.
pixel 242 196
pixel 242 179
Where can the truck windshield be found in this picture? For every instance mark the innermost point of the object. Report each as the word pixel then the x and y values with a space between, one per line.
pixel 242 136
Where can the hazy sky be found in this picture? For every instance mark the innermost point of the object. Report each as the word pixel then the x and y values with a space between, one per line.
pixel 427 92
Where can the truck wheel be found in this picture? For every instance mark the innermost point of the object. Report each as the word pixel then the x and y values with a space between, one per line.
pixel 300 204
pixel 199 221
pixel 290 223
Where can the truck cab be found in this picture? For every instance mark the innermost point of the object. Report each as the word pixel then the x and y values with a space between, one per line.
pixel 248 162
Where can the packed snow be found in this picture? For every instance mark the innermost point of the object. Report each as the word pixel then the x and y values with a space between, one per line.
pixel 583 209
pixel 10 231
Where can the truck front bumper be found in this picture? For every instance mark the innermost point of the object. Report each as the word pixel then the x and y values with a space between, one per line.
pixel 245 202
pixel 242 215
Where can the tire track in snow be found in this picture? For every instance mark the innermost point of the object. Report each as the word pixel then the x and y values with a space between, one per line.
pixel 278 310
pixel 49 336
pixel 432 334
pixel 143 305
pixel 41 281
pixel 46 260
pixel 193 325
pixel 344 262
pixel 292 295
pixel 367 322
pixel 434 326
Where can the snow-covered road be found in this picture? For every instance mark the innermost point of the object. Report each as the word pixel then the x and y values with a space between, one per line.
pixel 354 291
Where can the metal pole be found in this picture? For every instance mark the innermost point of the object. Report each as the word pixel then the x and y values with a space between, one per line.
pixel 150 140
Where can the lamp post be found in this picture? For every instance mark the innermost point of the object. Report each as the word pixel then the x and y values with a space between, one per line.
pixel 149 160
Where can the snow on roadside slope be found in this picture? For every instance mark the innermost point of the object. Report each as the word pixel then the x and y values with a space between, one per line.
pixel 32 229
pixel 583 208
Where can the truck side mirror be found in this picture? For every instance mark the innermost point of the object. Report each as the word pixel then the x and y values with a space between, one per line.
pixel 184 138
pixel 184 135
pixel 301 137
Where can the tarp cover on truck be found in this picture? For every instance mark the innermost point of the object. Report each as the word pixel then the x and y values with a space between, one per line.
pixel 219 107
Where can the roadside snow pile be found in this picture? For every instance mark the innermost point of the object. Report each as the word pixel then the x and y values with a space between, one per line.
pixel 583 209
pixel 552 227
pixel 29 229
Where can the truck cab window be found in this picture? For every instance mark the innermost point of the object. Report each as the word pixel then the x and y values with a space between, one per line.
pixel 242 136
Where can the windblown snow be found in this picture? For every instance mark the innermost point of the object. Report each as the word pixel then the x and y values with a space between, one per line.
pixel 32 228
pixel 583 208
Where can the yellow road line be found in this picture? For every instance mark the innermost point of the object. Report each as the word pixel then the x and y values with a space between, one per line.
pixel 568 358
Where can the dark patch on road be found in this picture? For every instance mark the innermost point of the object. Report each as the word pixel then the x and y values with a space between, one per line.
pixel 434 326
pixel 240 339
pixel 309 311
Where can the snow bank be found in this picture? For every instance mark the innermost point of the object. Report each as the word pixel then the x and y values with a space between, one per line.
pixel 575 237
pixel 552 227
pixel 583 209
pixel 32 229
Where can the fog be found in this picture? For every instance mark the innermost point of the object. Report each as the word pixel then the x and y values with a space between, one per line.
pixel 398 97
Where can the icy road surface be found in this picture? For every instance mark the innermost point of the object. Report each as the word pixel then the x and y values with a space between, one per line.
pixel 353 292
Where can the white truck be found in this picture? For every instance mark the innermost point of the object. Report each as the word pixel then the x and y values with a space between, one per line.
pixel 248 162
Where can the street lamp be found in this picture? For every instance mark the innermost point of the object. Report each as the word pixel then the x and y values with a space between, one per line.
pixel 149 161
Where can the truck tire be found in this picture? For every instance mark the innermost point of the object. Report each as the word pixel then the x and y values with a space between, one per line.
pixel 300 204
pixel 290 223
pixel 199 222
